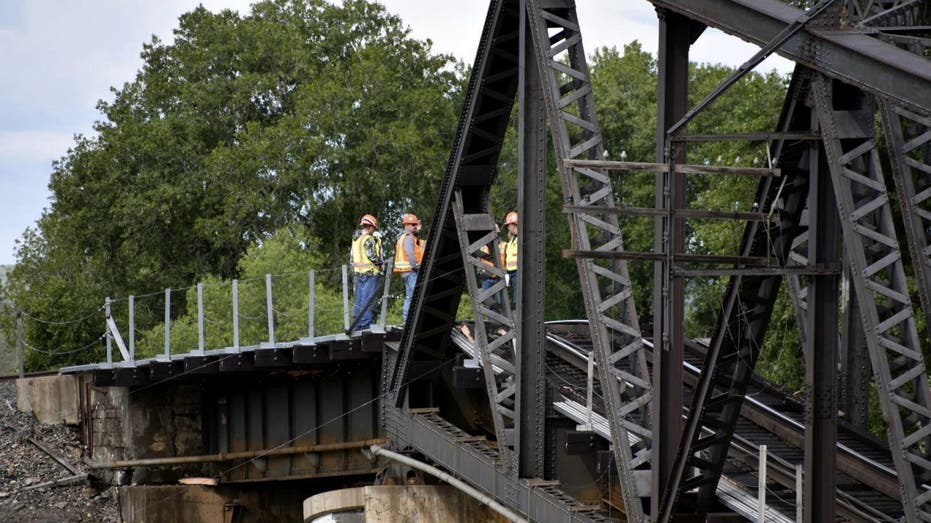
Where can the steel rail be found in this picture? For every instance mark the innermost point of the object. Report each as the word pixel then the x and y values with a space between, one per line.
pixel 852 461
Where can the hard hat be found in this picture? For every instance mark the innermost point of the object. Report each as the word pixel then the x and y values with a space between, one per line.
pixel 511 218
pixel 368 219
pixel 410 219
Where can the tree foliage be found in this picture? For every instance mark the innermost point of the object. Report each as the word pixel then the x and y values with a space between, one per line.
pixel 250 145
pixel 301 112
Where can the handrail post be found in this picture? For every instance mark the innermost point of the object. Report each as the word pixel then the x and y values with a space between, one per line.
pixel 132 329
pixel 312 305
pixel 269 305
pixel 384 295
pixel 799 489
pixel 761 492
pixel 346 298
pixel 168 323
pixel 20 350
pixel 201 341
pixel 236 314
pixel 589 404
pixel 106 308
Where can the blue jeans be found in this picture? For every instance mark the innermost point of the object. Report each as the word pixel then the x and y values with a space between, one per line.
pixel 410 280
pixel 366 287
pixel 512 282
pixel 487 282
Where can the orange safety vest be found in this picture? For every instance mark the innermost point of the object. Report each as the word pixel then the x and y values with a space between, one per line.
pixel 510 254
pixel 360 260
pixel 401 262
pixel 487 260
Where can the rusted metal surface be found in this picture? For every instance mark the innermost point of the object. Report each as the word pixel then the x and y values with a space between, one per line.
pixel 231 456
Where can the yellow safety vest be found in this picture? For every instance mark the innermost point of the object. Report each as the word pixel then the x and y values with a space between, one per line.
pixel 401 262
pixel 360 260
pixel 510 254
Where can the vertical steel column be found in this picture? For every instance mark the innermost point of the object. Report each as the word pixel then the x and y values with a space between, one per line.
pixel 669 238
pixel 742 322
pixel 531 200
pixel 878 273
pixel 821 352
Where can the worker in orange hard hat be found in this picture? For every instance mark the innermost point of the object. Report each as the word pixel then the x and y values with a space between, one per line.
pixel 510 252
pixel 367 261
pixel 408 254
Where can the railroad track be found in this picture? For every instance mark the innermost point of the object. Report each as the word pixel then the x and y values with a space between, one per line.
pixel 867 488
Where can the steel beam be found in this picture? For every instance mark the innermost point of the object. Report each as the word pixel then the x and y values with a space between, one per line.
pixel 908 138
pixel 669 240
pixel 495 331
pixel 606 288
pixel 473 163
pixel 878 275
pixel 821 348
pixel 531 200
pixel 747 307
pixel 852 56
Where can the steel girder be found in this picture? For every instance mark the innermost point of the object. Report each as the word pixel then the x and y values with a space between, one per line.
pixel 820 473
pixel 531 202
pixel 852 56
pixel 618 349
pixel 471 171
pixel 882 13
pixel 747 308
pixel 908 138
pixel 492 310
pixel 878 274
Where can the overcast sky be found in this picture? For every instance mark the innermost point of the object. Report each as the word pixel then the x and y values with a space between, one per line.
pixel 61 56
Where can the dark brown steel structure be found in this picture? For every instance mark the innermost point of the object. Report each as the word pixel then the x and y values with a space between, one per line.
pixel 588 420
pixel 825 207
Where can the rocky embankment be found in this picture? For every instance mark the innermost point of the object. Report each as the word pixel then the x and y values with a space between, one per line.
pixel 43 477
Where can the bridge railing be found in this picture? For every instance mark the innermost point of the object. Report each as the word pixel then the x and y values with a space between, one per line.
pixel 260 312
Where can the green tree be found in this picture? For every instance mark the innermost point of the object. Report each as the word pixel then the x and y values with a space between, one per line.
pixel 301 112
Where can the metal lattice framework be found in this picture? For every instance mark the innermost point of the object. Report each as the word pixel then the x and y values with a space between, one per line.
pixel 495 330
pixel 747 307
pixel 471 171
pixel 619 351
pixel 878 275
pixel 888 14
pixel 908 136
pixel 892 69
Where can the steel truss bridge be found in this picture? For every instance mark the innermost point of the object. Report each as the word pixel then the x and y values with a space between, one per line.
pixel 587 421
